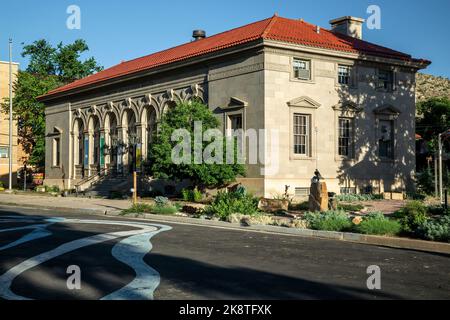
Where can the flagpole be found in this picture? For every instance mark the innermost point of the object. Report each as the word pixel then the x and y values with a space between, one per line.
pixel 10 116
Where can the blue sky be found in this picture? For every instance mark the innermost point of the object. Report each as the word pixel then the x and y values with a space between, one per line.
pixel 121 30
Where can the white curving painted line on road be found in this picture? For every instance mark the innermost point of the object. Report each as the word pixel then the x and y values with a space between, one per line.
pixel 37 233
pixel 40 230
pixel 142 285
pixel 132 251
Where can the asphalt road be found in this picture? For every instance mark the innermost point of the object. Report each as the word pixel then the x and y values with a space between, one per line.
pixel 121 259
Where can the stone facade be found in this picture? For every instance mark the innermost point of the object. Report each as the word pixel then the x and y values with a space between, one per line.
pixel 257 83
pixel 324 101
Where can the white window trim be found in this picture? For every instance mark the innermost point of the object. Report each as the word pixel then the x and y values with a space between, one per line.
pixel 55 146
pixel 391 113
pixel 353 76
pixel 227 126
pixel 394 137
pixel 7 152
pixel 394 79
pixel 351 146
pixel 311 66
pixel 311 153
pixel 346 110
pixel 308 134
pixel 307 106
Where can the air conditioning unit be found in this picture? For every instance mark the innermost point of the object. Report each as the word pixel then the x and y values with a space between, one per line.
pixel 303 74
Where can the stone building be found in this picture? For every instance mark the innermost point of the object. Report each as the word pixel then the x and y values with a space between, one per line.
pixel 4 128
pixel 335 102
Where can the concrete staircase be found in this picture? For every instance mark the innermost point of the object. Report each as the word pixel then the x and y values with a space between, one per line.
pixel 108 186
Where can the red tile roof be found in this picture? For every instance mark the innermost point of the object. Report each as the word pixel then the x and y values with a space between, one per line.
pixel 274 28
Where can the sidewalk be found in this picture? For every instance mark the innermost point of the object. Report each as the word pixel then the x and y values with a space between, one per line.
pixel 73 203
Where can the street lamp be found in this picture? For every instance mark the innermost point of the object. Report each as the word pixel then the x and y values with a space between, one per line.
pixel 133 141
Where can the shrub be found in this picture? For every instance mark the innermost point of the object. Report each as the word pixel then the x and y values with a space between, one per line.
pixel 437 229
pixel 351 197
pixel 436 210
pixel 138 208
pixel 166 209
pixel 329 220
pixel 350 207
pixel 376 223
pixel 52 189
pixel 412 215
pixel 192 195
pixel 425 181
pixel 161 201
pixel 226 203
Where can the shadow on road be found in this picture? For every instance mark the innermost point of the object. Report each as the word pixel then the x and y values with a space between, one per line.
pixel 213 282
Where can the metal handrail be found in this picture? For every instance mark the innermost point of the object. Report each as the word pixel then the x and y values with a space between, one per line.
pixel 87 179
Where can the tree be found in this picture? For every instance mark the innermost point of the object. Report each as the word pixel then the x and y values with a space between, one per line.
pixel 433 118
pixel 183 116
pixel 49 67
pixel 62 61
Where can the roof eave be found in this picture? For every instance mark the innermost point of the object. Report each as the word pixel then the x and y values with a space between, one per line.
pixel 408 62
pixel 162 68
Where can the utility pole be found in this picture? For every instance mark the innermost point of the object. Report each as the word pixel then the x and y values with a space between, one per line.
pixel 436 192
pixel 134 187
pixel 10 116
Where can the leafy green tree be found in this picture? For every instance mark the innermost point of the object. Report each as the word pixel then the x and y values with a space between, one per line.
pixel 63 61
pixel 49 67
pixel 433 118
pixel 183 116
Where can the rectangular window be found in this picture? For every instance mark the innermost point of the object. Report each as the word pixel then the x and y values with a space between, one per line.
pixel 4 152
pixel 345 137
pixel 56 152
pixel 236 122
pixel 235 129
pixel 348 190
pixel 385 79
pixel 80 149
pixel 302 69
pixel 344 74
pixel 301 134
pixel 302 191
pixel 386 139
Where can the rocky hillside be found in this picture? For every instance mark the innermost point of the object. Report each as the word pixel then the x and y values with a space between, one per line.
pixel 428 86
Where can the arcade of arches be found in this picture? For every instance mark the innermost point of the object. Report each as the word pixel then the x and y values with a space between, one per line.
pixel 113 142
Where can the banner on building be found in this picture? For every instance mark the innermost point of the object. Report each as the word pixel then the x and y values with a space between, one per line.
pixel 86 151
pixel 138 157
pixel 102 150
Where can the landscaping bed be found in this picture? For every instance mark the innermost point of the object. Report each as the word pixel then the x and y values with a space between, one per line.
pixel 414 220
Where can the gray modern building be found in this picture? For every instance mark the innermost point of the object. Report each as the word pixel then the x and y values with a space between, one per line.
pixel 337 103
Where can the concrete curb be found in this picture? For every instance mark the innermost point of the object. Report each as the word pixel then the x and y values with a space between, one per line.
pixel 392 242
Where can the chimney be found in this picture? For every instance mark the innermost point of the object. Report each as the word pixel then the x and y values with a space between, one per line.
pixel 350 26
pixel 198 34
